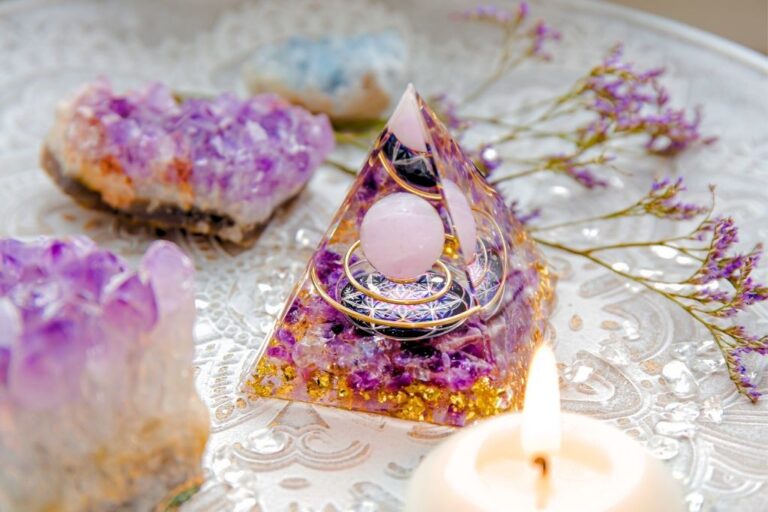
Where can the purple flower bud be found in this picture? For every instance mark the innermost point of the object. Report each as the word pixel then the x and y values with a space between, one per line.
pixel 489 157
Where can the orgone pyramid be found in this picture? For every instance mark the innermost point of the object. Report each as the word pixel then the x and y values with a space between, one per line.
pixel 425 298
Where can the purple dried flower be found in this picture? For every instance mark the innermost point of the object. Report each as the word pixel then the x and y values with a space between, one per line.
pixel 717 265
pixel 447 109
pixel 670 132
pixel 568 165
pixel 720 267
pixel 489 158
pixel 661 201
pixel 738 366
pixel 522 11
pixel 524 217
pixel 493 14
pixel 512 21
pixel 539 35
pixel 585 177
pixel 496 15
pixel 628 101
pixel 721 288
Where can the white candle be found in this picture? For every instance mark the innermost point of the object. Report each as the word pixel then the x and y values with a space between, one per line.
pixel 542 460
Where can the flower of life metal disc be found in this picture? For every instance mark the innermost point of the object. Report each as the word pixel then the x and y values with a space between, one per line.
pixel 452 303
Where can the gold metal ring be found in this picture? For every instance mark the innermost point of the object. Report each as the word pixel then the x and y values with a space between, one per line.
pixel 437 197
pixel 400 181
pixel 403 281
pixel 448 281
pixel 486 266
pixel 502 283
pixel 388 323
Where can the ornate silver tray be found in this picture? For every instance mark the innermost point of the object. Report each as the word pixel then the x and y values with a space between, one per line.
pixel 627 357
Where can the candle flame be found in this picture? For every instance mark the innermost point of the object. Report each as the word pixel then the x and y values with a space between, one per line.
pixel 540 430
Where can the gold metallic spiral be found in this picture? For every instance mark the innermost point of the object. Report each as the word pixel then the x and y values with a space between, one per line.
pixel 426 324
pixel 448 281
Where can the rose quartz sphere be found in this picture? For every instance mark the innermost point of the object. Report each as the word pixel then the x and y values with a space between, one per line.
pixel 463 220
pixel 402 236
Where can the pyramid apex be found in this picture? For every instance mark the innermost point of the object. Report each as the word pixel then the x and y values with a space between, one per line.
pixel 406 121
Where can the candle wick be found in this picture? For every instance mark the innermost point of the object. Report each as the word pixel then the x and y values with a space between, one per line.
pixel 543 482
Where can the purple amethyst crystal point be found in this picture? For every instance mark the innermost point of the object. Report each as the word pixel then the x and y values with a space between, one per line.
pixel 97 349
pixel 171 275
pixel 212 166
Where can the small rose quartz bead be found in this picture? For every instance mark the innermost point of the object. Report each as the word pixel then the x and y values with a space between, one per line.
pixel 402 236
pixel 463 219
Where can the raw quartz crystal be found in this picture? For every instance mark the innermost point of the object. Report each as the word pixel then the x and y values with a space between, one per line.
pixel 98 409
pixel 348 77
pixel 213 166
pixel 451 375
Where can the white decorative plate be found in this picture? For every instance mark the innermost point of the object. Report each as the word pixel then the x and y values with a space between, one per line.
pixel 612 339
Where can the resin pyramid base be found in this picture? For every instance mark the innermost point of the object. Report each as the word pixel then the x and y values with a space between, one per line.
pixel 472 372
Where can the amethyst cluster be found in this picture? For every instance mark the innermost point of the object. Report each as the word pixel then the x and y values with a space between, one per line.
pixel 104 353
pixel 214 166
pixel 63 300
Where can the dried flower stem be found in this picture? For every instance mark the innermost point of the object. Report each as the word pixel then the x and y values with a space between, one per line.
pixel 520 41
pixel 719 334
pixel 505 65
pixel 707 306
pixel 611 104
pixel 341 167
